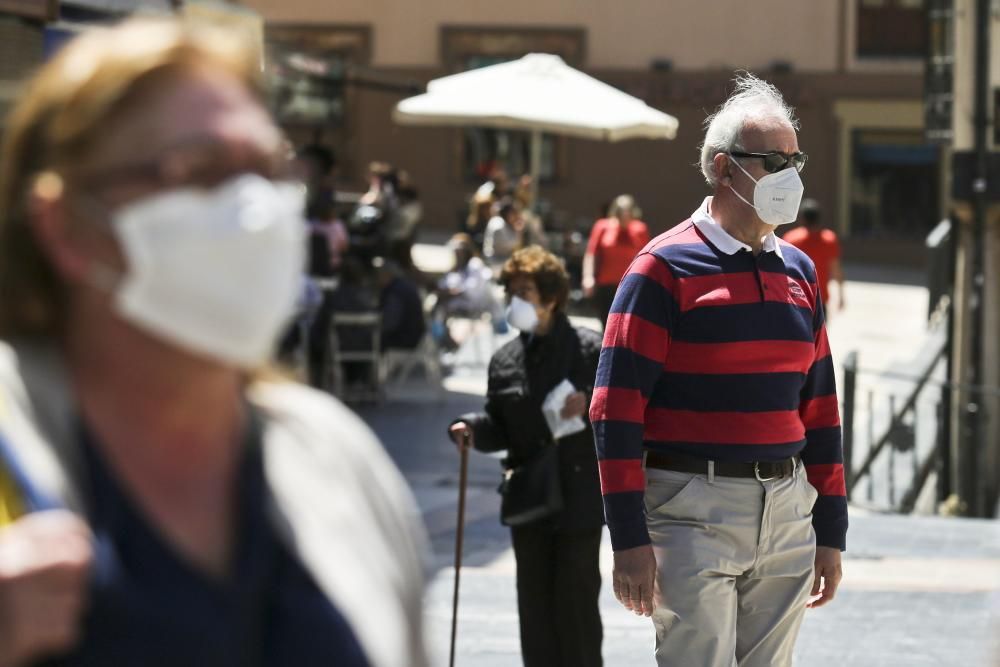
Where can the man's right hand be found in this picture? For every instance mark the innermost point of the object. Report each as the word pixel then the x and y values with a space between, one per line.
pixel 461 434
pixel 44 561
pixel 632 579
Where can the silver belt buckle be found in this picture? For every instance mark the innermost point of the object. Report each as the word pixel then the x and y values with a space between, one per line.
pixel 756 473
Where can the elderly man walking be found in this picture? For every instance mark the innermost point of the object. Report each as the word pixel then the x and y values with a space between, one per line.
pixel 715 412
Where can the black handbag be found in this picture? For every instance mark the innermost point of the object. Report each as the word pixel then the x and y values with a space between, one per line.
pixel 532 490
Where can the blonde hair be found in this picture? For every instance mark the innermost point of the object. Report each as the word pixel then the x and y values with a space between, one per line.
pixel 622 203
pixel 64 111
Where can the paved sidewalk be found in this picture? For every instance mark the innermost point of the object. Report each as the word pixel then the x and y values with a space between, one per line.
pixel 917 590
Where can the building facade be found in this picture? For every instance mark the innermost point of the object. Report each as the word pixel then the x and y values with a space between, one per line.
pixel 852 68
pixel 22 42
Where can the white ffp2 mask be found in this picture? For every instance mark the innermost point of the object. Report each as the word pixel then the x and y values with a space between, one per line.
pixel 215 271
pixel 776 196
pixel 522 315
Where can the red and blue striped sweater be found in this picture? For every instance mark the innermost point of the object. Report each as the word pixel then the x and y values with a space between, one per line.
pixel 719 354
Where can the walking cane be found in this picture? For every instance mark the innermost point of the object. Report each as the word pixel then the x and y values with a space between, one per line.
pixel 459 536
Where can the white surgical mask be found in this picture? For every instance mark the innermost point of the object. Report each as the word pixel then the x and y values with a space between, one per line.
pixel 522 315
pixel 776 196
pixel 217 271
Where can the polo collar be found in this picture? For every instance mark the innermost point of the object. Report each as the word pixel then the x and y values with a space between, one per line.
pixel 722 240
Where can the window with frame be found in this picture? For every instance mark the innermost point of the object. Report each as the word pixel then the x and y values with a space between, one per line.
pixel 486 149
pixel 894 179
pixel 306 67
pixel 891 28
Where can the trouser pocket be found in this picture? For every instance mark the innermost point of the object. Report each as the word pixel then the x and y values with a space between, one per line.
pixel 668 490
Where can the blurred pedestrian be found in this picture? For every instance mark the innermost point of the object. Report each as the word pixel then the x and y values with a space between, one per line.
pixel 555 520
pixel 823 248
pixel 328 238
pixel 149 256
pixel 402 308
pixel 479 215
pixel 614 243
pixel 716 411
pixel 403 232
pixel 504 234
pixel 376 214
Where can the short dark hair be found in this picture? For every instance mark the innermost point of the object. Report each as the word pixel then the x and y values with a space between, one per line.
pixel 507 207
pixel 809 210
pixel 320 155
pixel 542 267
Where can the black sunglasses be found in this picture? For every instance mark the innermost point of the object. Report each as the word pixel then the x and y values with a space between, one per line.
pixel 775 161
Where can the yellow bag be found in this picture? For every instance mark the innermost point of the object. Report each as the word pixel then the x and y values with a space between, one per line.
pixel 10 501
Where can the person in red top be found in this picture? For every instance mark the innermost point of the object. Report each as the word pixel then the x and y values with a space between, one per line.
pixel 614 243
pixel 823 248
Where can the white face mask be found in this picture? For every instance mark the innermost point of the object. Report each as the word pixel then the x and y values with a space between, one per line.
pixel 776 196
pixel 216 272
pixel 522 315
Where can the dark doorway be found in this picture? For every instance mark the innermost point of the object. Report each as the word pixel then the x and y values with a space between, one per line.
pixel 894 189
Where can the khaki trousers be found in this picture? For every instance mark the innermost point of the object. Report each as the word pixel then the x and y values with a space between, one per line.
pixel 735 560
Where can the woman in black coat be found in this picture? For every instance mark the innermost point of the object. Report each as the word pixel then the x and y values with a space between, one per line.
pixel 558 578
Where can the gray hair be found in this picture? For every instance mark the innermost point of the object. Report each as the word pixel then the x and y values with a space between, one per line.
pixel 753 101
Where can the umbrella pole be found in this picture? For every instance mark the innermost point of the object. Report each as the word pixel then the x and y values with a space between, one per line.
pixel 459 538
pixel 536 165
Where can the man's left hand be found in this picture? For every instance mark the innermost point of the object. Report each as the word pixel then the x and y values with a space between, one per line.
pixel 827 575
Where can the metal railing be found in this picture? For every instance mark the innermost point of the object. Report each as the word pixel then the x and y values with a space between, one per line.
pixel 907 433
pixel 903 418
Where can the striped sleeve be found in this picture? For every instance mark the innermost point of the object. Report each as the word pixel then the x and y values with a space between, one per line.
pixel 823 454
pixel 635 346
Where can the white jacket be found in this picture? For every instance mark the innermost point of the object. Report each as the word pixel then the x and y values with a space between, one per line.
pixel 339 503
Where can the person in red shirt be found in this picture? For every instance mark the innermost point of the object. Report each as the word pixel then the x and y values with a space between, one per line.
pixel 823 248
pixel 614 243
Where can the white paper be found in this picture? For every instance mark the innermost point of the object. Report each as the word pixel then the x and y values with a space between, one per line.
pixel 552 407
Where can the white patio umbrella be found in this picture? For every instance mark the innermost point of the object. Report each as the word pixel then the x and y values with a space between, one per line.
pixel 538 93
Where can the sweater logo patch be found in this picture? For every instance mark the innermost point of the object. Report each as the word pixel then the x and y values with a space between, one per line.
pixel 796 290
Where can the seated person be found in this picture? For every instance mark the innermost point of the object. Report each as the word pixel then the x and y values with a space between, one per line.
pixel 465 291
pixel 401 306
pixel 510 229
pixel 504 234
pixel 328 239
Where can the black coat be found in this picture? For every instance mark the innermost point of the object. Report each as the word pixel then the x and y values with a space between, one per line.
pixel 521 374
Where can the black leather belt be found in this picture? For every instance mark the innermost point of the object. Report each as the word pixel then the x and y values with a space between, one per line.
pixel 760 470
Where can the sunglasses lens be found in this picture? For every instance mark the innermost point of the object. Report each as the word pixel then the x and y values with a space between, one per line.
pixel 799 160
pixel 774 162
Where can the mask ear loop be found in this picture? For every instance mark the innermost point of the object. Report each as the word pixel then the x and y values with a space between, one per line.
pixel 730 184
